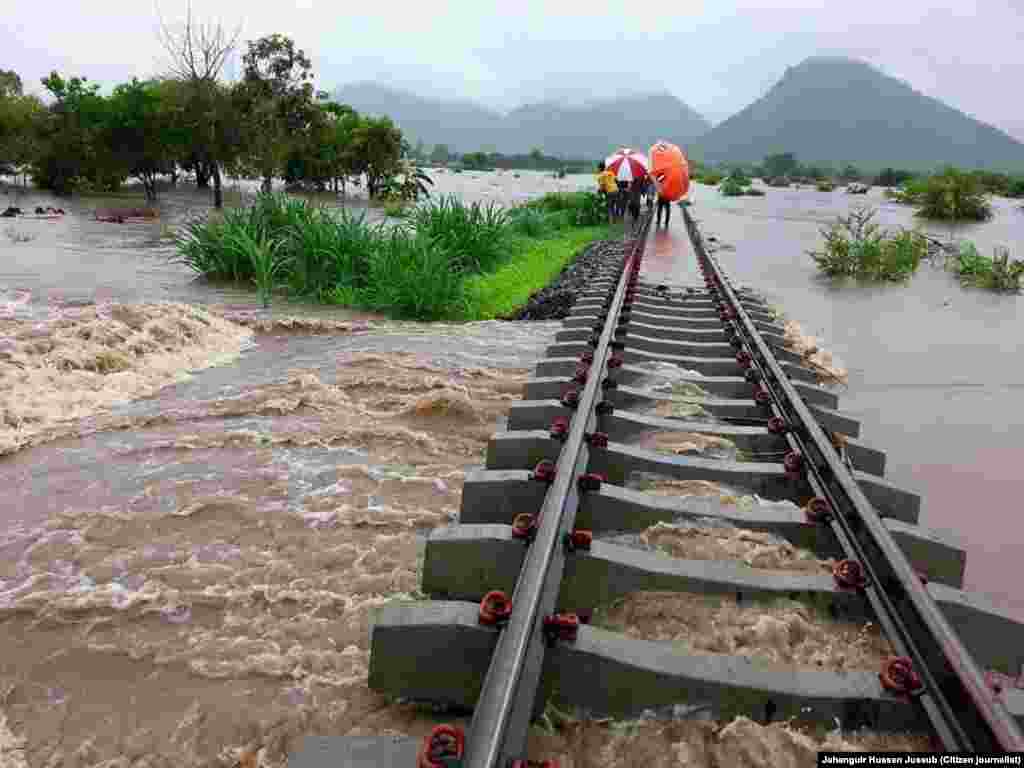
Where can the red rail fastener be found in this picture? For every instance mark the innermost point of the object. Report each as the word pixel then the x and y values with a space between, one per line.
pixel 597 439
pixel 561 626
pixel 559 428
pixel 582 371
pixel 544 472
pixel 923 577
pixel 849 575
pixel 579 539
pixel 444 744
pixel 818 510
pixel 998 682
pixel 495 608
pixel 571 397
pixel 615 361
pixel 762 396
pixel 777 425
pixel 794 464
pixel 590 482
pixel 898 676
pixel 524 526
pixel 743 358
pixel 587 358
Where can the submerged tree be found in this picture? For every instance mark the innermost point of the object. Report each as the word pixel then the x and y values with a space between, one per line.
pixel 20 118
pixel 275 100
pixel 142 127
pixel 197 54
pixel 783 164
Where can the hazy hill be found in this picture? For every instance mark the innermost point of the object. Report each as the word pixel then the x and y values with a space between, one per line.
pixel 835 111
pixel 588 131
pixel 598 128
pixel 463 126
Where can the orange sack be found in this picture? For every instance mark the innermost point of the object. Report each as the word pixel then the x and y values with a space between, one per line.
pixel 670 171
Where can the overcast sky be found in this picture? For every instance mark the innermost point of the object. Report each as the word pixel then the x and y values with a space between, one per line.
pixel 716 55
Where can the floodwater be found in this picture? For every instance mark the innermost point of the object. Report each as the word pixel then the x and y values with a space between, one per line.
pixel 189 563
pixel 935 374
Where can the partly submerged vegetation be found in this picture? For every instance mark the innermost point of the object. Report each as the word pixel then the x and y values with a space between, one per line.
pixel 445 260
pixel 998 273
pixel 737 184
pixel 855 246
pixel 951 195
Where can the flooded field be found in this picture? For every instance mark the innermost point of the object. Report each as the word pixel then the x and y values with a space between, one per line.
pixel 189 564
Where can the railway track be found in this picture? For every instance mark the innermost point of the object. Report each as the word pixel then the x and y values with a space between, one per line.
pixel 517 579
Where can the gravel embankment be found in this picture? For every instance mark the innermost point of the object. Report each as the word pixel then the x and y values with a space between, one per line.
pixel 554 301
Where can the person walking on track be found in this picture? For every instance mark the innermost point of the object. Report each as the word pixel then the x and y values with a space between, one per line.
pixel 636 195
pixel 608 188
pixel 663 205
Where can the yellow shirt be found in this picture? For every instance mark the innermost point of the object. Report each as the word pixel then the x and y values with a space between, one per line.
pixel 606 182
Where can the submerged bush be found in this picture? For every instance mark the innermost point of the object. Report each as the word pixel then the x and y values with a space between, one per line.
pixel 953 196
pixel 731 188
pixel 582 209
pixel 995 274
pixel 857 247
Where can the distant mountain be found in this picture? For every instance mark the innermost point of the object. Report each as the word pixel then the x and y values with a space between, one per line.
pixel 463 126
pixel 596 129
pixel 833 111
pixel 588 131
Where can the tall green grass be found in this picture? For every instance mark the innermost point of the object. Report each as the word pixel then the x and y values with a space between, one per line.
pixel 418 269
pixel 473 236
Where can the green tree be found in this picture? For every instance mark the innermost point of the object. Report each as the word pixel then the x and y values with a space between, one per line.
pixel 142 130
pixel 850 173
pixel 890 177
pixel 783 164
pixel 71 148
pixel 20 118
pixel 10 84
pixel 377 149
pixel 276 101
pixel 201 103
pixel 440 154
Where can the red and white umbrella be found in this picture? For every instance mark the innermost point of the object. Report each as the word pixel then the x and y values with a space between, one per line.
pixel 627 165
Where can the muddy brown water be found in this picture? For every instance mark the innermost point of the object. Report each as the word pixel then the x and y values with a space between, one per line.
pixel 188 566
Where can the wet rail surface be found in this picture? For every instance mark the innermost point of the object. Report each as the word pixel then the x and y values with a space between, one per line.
pixel 518 578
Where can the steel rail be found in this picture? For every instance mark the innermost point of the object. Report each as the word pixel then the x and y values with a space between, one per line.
pixel 962 710
pixel 498 730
